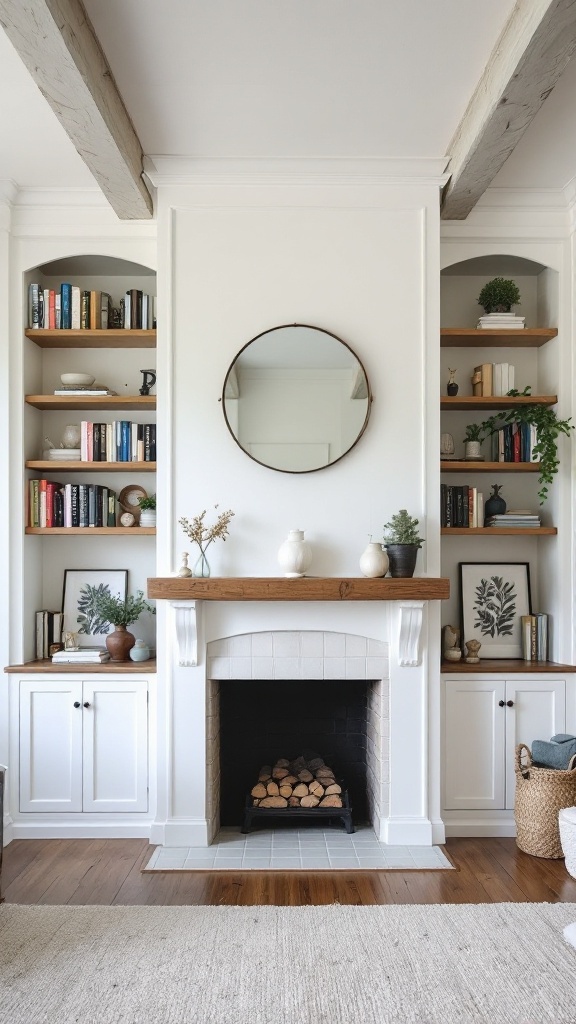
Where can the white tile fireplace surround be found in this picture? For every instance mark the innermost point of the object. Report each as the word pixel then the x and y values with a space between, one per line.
pixel 311 655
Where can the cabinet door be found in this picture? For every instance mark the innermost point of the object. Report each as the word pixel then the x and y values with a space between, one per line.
pixel 537 712
pixel 473 745
pixel 50 746
pixel 115 728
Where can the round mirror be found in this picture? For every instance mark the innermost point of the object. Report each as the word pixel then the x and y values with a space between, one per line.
pixel 296 398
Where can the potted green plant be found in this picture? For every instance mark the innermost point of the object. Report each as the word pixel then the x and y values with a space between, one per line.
pixel 401 540
pixel 499 295
pixel 147 510
pixel 475 434
pixel 121 612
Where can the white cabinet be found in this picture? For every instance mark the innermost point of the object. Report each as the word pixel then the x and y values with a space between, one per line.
pixel 83 745
pixel 484 719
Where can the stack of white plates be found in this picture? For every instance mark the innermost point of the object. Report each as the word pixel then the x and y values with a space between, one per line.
pixel 64 454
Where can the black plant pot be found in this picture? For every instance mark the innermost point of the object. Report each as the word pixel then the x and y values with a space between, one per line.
pixel 402 559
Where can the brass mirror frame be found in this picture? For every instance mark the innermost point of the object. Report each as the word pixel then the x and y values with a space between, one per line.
pixel 311 327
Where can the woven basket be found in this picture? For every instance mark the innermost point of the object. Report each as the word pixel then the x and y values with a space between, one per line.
pixel 540 794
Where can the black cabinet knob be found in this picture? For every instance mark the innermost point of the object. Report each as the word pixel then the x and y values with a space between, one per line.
pixel 510 703
pixel 500 703
pixel 86 703
pixel 76 703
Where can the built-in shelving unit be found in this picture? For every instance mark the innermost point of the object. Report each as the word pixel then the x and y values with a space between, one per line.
pixel 70 466
pixel 131 403
pixel 92 339
pixel 473 403
pixel 474 337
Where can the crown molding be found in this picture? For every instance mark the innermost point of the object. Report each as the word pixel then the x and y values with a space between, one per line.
pixel 178 170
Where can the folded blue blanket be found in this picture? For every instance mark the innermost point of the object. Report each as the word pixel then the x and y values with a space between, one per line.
pixel 555 753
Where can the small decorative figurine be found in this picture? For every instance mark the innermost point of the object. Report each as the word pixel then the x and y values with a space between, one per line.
pixel 148 381
pixel 451 643
pixel 472 648
pixel 184 571
pixel 70 641
pixel 452 387
pixel 447 448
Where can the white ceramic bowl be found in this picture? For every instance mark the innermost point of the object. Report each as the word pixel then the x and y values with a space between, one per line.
pixel 82 380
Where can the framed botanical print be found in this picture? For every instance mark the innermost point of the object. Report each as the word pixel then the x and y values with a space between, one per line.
pixel 81 586
pixel 493 598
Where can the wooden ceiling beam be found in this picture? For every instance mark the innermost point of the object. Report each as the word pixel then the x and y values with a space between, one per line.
pixel 57 43
pixel 532 52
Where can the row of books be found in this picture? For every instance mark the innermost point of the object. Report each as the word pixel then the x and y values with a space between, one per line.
pixel 52 504
pixel 514 442
pixel 72 308
pixel 534 629
pixel 492 379
pixel 119 441
pixel 48 631
pixel 461 506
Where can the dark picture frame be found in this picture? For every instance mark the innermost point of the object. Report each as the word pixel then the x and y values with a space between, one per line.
pixel 493 597
pixel 79 587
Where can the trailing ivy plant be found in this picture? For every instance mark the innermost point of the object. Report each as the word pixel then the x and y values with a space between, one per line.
pixel 548 429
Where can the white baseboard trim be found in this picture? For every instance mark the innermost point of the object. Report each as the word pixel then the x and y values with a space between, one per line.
pixel 82 830
pixel 438 832
pixel 7 832
pixel 406 832
pixel 480 830
pixel 184 832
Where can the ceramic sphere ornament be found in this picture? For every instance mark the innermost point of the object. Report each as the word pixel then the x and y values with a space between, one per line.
pixel 127 519
pixel 295 554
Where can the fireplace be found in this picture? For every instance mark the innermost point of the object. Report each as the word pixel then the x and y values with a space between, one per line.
pixel 318 691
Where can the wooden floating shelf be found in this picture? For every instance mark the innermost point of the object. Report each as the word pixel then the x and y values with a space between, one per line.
pixel 47 665
pixel 488 467
pixel 91 531
pixel 474 337
pixel 504 666
pixel 113 338
pixel 304 588
pixel 143 403
pixel 471 402
pixel 498 531
pixel 67 466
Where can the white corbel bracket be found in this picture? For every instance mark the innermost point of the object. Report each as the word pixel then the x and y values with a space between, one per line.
pixel 186 622
pixel 411 614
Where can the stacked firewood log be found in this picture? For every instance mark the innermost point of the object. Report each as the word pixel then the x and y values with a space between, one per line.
pixel 298 783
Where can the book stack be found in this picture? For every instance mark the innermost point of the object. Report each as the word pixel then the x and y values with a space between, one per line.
pixel 461 506
pixel 81 656
pixel 74 389
pixel 48 631
pixel 68 308
pixel 501 321
pixel 138 310
pixel 534 630
pixel 119 441
pixel 514 442
pixel 517 518
pixel 51 504
pixel 492 379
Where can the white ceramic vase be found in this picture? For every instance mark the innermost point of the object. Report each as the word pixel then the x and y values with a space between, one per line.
pixel 472 449
pixel 71 436
pixel 295 554
pixel 148 517
pixel 374 560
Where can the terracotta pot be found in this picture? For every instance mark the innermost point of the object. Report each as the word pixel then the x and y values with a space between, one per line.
pixel 402 559
pixel 119 644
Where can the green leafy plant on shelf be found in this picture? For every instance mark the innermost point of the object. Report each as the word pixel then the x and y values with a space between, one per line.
pixel 147 503
pixel 475 432
pixel 548 430
pixel 402 529
pixel 121 611
pixel 499 295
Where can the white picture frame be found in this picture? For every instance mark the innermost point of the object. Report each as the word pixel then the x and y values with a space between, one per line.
pixel 493 597
pixel 78 583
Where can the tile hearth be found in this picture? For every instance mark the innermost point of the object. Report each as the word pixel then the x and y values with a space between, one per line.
pixel 310 849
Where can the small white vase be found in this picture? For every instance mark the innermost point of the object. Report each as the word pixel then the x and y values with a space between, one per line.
pixel 295 554
pixel 71 436
pixel 472 450
pixel 374 560
pixel 148 517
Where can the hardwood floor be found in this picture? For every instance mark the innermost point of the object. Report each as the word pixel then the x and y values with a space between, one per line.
pixel 108 871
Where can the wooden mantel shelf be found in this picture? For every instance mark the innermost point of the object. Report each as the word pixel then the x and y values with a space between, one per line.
pixel 304 588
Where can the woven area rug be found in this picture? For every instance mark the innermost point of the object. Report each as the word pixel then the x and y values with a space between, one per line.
pixel 500 963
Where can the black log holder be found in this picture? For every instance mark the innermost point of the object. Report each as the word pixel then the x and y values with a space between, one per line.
pixel 328 815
